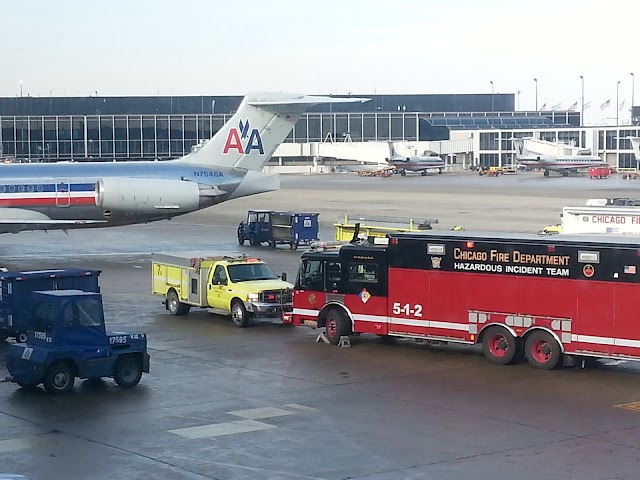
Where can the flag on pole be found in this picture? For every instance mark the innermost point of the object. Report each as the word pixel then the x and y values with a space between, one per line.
pixel 621 106
pixel 587 105
pixel 544 105
pixel 556 106
pixel 573 107
pixel 605 104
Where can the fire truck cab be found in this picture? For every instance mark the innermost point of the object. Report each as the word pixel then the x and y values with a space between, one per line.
pixel 333 286
pixel 545 298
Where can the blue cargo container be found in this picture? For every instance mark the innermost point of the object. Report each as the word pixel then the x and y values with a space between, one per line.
pixel 16 290
pixel 290 228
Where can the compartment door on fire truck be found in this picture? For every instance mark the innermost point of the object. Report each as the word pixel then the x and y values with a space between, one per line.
pixel 594 324
pixel 365 289
pixel 310 287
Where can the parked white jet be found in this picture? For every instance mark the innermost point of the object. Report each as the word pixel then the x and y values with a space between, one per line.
pixel 83 194
pixel 558 163
pixel 414 163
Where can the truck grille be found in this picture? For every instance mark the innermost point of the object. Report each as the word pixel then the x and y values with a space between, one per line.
pixel 277 296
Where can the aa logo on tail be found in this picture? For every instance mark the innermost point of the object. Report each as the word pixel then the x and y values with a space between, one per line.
pixel 242 141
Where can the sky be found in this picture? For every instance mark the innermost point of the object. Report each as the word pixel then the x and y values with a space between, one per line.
pixel 215 47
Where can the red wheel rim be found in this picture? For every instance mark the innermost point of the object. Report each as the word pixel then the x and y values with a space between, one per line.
pixel 498 345
pixel 541 351
pixel 331 327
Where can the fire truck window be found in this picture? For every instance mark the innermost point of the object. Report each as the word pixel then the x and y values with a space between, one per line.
pixel 333 272
pixel 219 276
pixel 363 272
pixel 311 275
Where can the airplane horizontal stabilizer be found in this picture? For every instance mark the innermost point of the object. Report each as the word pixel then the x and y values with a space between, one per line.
pixel 261 123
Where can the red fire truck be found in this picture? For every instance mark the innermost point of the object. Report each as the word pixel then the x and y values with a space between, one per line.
pixel 542 297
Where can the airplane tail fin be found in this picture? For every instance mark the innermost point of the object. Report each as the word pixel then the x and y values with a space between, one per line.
pixel 518 146
pixel 392 150
pixel 261 123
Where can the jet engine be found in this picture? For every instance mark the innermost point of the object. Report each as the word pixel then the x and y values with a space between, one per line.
pixel 146 196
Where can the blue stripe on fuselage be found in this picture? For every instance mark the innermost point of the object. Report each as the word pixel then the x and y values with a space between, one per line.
pixel 45 187
pixel 81 172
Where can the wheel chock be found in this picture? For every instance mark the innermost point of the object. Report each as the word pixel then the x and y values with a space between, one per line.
pixel 322 337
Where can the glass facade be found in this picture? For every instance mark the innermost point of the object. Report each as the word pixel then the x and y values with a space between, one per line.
pixel 168 136
pixel 225 104
pixel 140 136
pixel 495 147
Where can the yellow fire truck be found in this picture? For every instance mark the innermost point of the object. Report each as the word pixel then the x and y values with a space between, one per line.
pixel 237 286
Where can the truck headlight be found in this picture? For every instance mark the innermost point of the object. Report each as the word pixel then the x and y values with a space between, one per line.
pixel 253 297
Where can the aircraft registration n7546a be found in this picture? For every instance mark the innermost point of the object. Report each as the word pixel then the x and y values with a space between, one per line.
pixel 70 195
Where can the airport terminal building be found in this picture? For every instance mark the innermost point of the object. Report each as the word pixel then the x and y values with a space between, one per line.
pixel 148 128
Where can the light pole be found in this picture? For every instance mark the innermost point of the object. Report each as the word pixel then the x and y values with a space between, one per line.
pixel 582 100
pixel 617 103
pixel 518 99
pixel 20 88
pixel 492 103
pixel 536 80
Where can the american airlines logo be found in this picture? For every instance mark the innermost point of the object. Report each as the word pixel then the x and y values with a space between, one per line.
pixel 242 141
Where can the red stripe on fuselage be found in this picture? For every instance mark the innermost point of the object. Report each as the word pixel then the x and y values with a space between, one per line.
pixel 46 202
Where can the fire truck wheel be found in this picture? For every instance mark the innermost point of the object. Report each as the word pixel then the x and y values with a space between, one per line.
pixel 336 326
pixel 542 350
pixel 499 346
pixel 175 306
pixel 239 314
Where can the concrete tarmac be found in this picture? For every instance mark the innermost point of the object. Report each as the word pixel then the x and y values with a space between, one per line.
pixel 268 402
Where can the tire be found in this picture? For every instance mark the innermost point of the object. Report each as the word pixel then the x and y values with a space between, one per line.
pixel 239 314
pixel 294 245
pixel 253 241
pixel 59 378
pixel 240 239
pixel 272 243
pixel 22 337
pixel 336 326
pixel 542 350
pixel 175 306
pixel 127 371
pixel 499 346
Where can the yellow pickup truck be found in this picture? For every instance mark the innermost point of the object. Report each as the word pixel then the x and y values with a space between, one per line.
pixel 237 286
